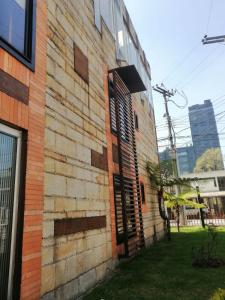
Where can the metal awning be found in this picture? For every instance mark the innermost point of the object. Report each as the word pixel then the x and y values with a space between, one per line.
pixel 131 78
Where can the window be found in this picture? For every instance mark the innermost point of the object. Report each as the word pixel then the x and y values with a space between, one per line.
pixel 136 121
pixel 97 14
pixel 107 13
pixel 221 182
pixel 119 30
pixel 17 27
pixel 10 150
pixel 142 192
pixel 104 9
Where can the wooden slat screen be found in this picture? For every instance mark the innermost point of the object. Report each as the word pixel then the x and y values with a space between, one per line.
pixel 130 206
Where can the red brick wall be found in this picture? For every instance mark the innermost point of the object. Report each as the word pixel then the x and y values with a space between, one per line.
pixel 31 118
pixel 111 165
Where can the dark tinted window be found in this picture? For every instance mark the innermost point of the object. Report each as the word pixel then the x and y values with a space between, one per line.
pixel 12 23
pixel 17 29
pixel 142 192
pixel 136 121
pixel 221 182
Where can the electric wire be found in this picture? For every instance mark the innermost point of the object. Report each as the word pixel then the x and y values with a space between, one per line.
pixel 183 60
pixel 207 66
pixel 179 83
pixel 209 16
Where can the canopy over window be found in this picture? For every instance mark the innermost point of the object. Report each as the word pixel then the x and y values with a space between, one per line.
pixel 131 78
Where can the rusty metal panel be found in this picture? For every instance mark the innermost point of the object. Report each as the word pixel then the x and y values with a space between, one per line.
pixel 13 88
pixel 81 64
pixel 75 225
pixel 99 160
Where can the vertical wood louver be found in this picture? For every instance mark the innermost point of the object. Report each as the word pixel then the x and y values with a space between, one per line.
pixel 129 220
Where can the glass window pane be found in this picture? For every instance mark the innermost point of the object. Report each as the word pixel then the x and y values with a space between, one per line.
pixel 119 30
pixel 97 14
pixel 7 179
pixel 12 22
pixel 107 14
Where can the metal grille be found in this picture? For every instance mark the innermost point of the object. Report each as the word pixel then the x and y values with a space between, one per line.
pixel 8 151
pixel 127 189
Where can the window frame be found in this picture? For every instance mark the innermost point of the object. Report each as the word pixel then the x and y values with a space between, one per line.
pixel 28 57
pixel 17 134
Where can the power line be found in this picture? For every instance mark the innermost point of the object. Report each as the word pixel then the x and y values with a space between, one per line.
pixel 209 16
pixel 180 63
pixel 197 122
pixel 199 64
pixel 222 129
pixel 212 100
pixel 199 138
pixel 219 119
pixel 207 66
pixel 186 118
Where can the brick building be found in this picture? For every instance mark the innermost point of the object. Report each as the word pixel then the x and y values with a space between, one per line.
pixel 22 115
pixel 76 128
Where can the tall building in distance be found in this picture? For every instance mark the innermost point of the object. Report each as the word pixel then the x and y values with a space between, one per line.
pixel 204 136
pixel 203 128
pixel 165 154
pixel 185 160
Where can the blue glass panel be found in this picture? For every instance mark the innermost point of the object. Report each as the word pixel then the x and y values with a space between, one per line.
pixel 12 22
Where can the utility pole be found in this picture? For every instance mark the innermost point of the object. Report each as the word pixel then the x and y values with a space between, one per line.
pixel 200 200
pixel 214 39
pixel 166 95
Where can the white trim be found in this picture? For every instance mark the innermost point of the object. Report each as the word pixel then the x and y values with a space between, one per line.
pixel 17 134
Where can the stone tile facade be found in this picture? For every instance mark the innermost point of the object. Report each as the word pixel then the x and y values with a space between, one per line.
pixel 76 134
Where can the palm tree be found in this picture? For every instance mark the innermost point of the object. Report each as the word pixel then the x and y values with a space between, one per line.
pixel 162 180
pixel 177 201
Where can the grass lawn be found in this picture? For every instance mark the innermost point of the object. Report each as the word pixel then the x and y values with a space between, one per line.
pixel 164 271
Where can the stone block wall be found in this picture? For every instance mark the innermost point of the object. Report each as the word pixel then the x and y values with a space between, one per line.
pixel 77 181
pixel 76 186
pixel 146 141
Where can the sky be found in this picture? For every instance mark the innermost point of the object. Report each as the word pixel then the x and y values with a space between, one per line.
pixel 170 32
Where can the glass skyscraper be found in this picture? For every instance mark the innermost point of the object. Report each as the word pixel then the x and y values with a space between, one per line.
pixel 203 128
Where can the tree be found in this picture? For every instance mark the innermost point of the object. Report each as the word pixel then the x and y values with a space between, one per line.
pixel 210 160
pixel 168 165
pixel 177 201
pixel 161 180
